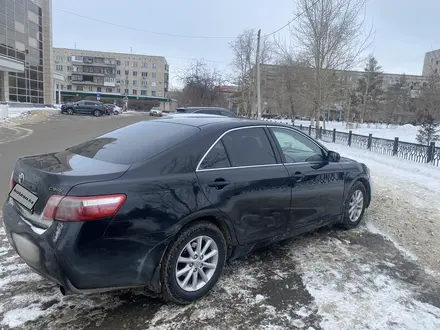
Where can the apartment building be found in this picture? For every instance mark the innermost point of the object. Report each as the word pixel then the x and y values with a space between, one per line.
pixel 26 51
pixel 272 75
pixel 112 75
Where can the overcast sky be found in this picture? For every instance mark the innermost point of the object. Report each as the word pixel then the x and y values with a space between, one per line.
pixel 404 29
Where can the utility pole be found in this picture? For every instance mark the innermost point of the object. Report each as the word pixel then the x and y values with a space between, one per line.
pixel 258 77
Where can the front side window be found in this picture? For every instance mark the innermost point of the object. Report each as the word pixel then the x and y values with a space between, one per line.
pixel 297 148
pixel 216 158
pixel 249 147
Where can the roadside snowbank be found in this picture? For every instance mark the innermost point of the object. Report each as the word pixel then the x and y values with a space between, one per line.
pixel 405 203
pixel 405 133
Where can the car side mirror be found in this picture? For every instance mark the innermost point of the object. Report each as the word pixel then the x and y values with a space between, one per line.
pixel 334 157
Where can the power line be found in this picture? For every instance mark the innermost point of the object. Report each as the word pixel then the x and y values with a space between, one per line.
pixel 142 30
pixel 290 22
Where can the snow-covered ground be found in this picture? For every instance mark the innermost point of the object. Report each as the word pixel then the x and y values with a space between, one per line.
pixel 405 133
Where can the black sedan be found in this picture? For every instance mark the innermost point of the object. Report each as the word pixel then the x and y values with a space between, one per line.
pixel 162 204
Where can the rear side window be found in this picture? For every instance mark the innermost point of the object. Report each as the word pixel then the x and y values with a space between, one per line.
pixel 207 111
pixel 227 113
pixel 216 158
pixel 135 143
pixel 248 147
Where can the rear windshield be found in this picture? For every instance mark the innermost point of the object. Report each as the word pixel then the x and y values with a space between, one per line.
pixel 135 143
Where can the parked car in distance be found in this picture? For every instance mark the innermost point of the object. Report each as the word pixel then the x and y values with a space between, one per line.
pixel 156 112
pixel 165 216
pixel 85 107
pixel 207 110
pixel 114 109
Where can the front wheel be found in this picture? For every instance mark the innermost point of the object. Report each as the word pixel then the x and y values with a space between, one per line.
pixel 193 263
pixel 97 113
pixel 70 111
pixel 354 206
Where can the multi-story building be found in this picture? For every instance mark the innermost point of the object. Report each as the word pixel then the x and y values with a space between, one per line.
pixel 26 51
pixel 112 75
pixel 272 76
pixel 431 64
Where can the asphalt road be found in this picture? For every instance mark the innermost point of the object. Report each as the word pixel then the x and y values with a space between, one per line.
pixel 330 279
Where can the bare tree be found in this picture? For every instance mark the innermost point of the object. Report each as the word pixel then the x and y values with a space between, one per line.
pixel 200 85
pixel 244 56
pixel 397 100
pixel 331 36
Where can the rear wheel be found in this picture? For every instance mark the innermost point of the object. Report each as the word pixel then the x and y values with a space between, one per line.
pixel 193 263
pixel 70 111
pixel 354 206
pixel 97 113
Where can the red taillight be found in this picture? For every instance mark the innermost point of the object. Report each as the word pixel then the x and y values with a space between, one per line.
pixel 70 208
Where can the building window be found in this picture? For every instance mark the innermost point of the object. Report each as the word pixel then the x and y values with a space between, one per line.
pixel 135 65
pixel 109 90
pixel 59 67
pixel 153 75
pixel 153 66
pixel 59 58
pixel 118 72
pixel 134 92
pixel 69 68
pixel 127 63
pixel 127 72
pixel 153 93
pixel 79 88
pixel 90 89
pixel 118 81
pixel 143 92
pixel 98 89
pixel 134 82
pixel 126 91
pixel 166 67
pixel 69 87
pixel 135 73
pixel 144 74
pixel 118 63
pixel 145 65
pixel 153 84
pixel 144 83
pixel 118 90
pixel 69 58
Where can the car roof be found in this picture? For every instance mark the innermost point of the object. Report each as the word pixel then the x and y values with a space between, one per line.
pixel 204 121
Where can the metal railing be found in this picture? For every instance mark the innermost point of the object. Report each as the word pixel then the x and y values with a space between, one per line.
pixel 418 153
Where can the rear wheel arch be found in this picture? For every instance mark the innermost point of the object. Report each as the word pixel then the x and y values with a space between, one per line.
pixel 226 228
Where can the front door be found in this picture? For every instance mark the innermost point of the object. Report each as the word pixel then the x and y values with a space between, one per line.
pixel 317 184
pixel 242 177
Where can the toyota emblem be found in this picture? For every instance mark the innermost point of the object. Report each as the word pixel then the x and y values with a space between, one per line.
pixel 21 177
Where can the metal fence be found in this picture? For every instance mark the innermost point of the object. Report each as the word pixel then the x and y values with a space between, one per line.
pixel 410 151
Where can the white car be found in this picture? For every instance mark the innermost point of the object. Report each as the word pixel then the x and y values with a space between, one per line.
pixel 156 112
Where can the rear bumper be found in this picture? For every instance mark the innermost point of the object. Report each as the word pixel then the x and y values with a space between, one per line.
pixel 71 256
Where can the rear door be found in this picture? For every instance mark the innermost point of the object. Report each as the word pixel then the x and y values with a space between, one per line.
pixel 241 176
pixel 317 184
pixel 90 107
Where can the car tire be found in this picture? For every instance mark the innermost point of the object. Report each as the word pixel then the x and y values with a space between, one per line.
pixel 354 206
pixel 97 113
pixel 70 111
pixel 174 288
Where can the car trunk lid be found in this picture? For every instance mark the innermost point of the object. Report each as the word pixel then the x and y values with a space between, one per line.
pixel 56 173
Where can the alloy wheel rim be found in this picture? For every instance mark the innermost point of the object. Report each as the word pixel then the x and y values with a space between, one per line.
pixel 356 205
pixel 197 263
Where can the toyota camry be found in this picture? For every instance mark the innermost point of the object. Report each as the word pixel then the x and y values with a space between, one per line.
pixel 163 204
